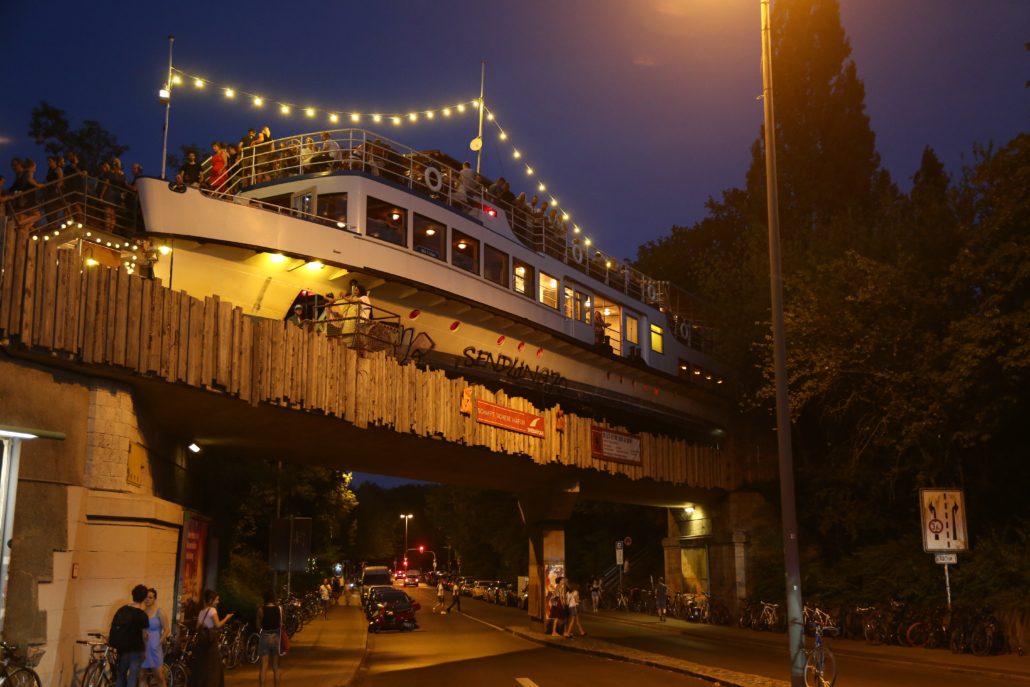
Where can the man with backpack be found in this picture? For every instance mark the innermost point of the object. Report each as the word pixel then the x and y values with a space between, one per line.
pixel 128 636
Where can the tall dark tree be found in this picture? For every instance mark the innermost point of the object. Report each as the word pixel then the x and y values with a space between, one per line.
pixel 50 128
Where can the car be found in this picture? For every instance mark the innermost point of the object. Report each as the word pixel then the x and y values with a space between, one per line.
pixel 411 578
pixel 479 588
pixel 374 575
pixel 391 609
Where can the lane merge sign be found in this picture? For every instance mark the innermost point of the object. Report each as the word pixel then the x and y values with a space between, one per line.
pixel 943 514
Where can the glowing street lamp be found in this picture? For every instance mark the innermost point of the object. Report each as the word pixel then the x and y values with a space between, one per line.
pixel 406 518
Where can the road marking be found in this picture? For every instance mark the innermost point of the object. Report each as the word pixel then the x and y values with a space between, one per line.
pixel 525 682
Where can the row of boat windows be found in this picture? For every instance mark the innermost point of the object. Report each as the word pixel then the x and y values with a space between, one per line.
pixel 389 222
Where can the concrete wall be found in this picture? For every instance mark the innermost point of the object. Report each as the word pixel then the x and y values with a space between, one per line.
pixel 88 524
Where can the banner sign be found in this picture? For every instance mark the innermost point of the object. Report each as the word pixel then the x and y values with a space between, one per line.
pixel 192 561
pixel 506 418
pixel 619 447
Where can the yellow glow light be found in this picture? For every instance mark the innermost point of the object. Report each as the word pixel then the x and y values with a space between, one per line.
pixel 377 118
pixel 565 216
pixel 520 270
pixel 413 116
pixel 529 170
pixel 230 93
pixel 314 265
pixel 277 258
pixel 461 108
pixel 541 187
pixel 285 109
pixel 176 79
pixel 90 262
pixel 310 112
pixel 587 242
pixel 334 118
pixel 575 229
pixel 489 116
pixel 258 102
pixel 475 104
pixel 163 250
pixel 430 114
pixel 608 263
pixel 504 136
pixel 396 121
pixel 516 154
pixel 199 83
pixel 446 112
pixel 355 117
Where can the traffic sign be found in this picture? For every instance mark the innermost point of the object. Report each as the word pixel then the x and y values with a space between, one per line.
pixel 618 553
pixel 628 541
pixel 618 546
pixel 945 558
pixel 943 515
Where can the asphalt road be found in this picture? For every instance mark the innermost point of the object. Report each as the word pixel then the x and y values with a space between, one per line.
pixel 465 649
pixel 460 649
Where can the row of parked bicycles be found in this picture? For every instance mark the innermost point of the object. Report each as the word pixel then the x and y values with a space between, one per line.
pixel 238 642
pixel 962 630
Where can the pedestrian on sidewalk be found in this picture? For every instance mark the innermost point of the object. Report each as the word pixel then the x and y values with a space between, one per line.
pixel 595 593
pixel 661 598
pixel 207 659
pixel 157 632
pixel 572 611
pixel 270 624
pixel 455 596
pixel 336 590
pixel 128 636
pixel 324 592
pixel 439 598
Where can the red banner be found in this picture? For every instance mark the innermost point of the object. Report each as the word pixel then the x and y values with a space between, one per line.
pixel 609 444
pixel 506 418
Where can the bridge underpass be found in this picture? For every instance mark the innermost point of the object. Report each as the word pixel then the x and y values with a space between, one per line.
pixel 203 372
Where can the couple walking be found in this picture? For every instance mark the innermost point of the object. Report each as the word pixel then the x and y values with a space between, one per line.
pixel 137 632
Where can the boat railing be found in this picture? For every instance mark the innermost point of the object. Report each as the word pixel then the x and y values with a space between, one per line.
pixel 377 329
pixel 78 201
pixel 430 173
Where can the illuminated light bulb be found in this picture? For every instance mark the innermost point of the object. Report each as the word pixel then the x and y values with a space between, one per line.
pixel 63 225
pixel 430 114
pixel 462 244
pixel 395 216
pixel 529 170
pixel 334 118
pixel 489 116
pixel 355 117
pixel 446 112
pixel 565 216
pixel 90 262
pixel 285 109
pixel 475 104
pixel 176 79
pixel 135 248
pixel 314 265
pixel 413 116
pixel 88 233
pixel 57 232
pixel 341 225
pixel 504 136
pixel 575 229
pixel 608 263
pixel 587 242
pixel 396 121
pixel 554 283
pixel 164 94
pixel 134 258
pixel 80 227
pixel 461 108
pixel 108 243
pixel 230 93
pixel 310 112
pixel 35 238
pixel 199 83
pixel 520 270
pixel 554 202
pixel 163 250
pixel 541 187
pixel 430 232
pixel 258 102
pixel 277 257
pixel 516 154
pixel 607 312
pixel 377 118
pixel 47 238
pixel 98 239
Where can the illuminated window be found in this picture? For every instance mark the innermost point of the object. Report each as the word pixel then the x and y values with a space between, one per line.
pixel 657 345
pixel 386 222
pixel 548 294
pixel 429 237
pixel 632 335
pixel 332 209
pixel 464 252
pixel 495 265
pixel 570 303
pixel 522 277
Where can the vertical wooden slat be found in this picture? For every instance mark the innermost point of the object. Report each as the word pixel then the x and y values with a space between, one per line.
pixel 195 353
pixel 133 320
pixel 120 322
pixel 223 343
pixel 28 304
pixel 12 248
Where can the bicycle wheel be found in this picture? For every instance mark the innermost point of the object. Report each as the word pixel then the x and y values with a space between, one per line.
pixel 251 652
pixel 23 677
pixel 957 641
pixel 96 676
pixel 177 675
pixel 982 640
pixel 918 634
pixel 820 668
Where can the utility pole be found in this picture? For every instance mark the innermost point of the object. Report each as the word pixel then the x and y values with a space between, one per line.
pixel 168 107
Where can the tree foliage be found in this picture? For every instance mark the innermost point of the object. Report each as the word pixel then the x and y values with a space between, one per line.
pixel 50 128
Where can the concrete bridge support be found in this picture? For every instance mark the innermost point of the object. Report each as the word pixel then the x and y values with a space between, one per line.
pixel 545 513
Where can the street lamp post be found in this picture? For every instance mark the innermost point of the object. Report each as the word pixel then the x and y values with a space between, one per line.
pixel 791 555
pixel 405 518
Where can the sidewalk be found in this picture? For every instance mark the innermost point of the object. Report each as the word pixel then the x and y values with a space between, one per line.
pixel 326 653
pixel 1010 667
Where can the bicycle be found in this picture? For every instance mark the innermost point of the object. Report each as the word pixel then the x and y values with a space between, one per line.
pixel 820 663
pixel 102 660
pixel 16 670
pixel 769 618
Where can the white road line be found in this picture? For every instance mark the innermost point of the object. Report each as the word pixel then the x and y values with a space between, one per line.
pixel 525 682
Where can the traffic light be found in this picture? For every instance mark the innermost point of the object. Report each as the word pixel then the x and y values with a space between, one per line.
pixel 405 563
pixel 421 549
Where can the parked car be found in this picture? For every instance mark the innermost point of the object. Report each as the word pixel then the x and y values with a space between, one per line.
pixel 392 609
pixel 374 575
pixel 479 588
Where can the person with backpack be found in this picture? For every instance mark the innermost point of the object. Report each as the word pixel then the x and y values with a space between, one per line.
pixel 208 670
pixel 128 636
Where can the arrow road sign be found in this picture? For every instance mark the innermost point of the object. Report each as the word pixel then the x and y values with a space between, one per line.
pixel 943 515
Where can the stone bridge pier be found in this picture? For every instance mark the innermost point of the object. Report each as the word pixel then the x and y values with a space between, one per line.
pixel 545 512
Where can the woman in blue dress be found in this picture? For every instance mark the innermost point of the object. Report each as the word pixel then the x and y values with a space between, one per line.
pixel 157 632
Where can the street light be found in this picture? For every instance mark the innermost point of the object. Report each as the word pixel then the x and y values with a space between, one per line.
pixel 791 555
pixel 405 518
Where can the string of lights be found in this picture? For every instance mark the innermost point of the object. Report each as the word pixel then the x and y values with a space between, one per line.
pixel 334 116
pixel 541 187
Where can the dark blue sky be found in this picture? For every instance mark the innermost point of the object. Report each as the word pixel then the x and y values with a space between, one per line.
pixel 632 111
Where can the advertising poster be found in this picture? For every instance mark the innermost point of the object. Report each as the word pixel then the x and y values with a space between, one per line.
pixel 508 418
pixel 192 558
pixel 615 446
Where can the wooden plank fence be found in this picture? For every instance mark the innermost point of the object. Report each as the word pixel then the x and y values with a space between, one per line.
pixel 97 315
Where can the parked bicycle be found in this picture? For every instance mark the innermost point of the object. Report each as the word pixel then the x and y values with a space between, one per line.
pixel 16 669
pixel 102 659
pixel 820 663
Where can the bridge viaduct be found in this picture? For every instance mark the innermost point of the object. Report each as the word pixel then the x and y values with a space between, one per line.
pixel 132 372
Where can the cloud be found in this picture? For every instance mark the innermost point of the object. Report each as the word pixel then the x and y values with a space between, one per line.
pixel 645 61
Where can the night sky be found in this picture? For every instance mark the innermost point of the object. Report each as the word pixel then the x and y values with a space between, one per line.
pixel 633 112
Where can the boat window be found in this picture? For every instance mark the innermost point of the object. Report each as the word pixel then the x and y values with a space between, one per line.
pixel 386 222
pixel 548 294
pixel 495 265
pixel 657 345
pixel 631 333
pixel 464 252
pixel 304 203
pixel 282 201
pixel 332 209
pixel 523 277
pixel 612 314
pixel 583 315
pixel 570 303
pixel 429 237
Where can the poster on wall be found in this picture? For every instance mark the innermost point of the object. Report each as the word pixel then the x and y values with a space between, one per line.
pixel 553 571
pixel 192 555
pixel 615 446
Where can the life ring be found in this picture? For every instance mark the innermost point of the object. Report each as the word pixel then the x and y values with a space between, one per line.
pixel 434 179
pixel 683 329
pixel 652 292
pixel 577 254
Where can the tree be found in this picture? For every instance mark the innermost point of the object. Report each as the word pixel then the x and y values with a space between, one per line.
pixel 94 144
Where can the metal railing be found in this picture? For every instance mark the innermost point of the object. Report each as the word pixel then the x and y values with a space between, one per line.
pixel 78 201
pixel 436 176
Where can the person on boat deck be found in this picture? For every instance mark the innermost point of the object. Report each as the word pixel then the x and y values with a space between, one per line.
pixel 468 180
pixel 332 149
pixel 332 312
pixel 599 327
pixel 497 188
pixel 356 313
pixel 296 318
pixel 307 155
